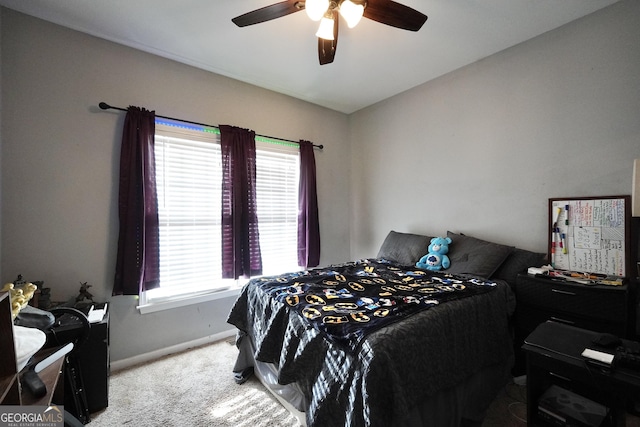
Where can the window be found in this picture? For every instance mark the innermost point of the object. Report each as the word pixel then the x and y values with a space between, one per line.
pixel 277 177
pixel 189 179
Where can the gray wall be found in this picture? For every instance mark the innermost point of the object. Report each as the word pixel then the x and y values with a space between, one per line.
pixel 60 161
pixel 482 149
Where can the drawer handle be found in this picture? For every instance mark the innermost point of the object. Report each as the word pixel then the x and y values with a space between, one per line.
pixel 560 291
pixel 559 377
pixel 557 319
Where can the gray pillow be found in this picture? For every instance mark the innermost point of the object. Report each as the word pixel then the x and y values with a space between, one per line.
pixel 475 256
pixel 404 248
pixel 518 262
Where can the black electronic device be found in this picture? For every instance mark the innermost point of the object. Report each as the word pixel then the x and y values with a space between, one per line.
pixel 561 407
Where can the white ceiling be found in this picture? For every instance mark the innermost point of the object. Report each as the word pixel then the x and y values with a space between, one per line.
pixel 373 61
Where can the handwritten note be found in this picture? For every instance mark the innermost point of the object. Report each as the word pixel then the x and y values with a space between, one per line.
pixel 587 238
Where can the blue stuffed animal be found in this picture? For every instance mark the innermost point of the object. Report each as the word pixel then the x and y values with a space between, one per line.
pixel 436 259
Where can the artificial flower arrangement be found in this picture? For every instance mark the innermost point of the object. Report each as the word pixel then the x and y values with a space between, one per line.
pixel 20 295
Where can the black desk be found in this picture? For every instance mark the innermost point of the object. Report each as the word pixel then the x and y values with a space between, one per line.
pixel 554 358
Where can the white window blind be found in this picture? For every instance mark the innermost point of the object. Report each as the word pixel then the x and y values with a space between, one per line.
pixel 277 172
pixel 188 180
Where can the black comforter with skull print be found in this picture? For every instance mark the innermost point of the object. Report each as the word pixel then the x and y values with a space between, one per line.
pixel 366 341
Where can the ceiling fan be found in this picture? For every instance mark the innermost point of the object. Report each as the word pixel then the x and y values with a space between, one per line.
pixel 326 11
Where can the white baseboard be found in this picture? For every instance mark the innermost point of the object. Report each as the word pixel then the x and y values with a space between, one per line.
pixel 152 355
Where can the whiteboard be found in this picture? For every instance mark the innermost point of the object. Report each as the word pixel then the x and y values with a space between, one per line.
pixel 590 234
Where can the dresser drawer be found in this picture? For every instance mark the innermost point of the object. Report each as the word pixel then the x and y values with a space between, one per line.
pixel 604 303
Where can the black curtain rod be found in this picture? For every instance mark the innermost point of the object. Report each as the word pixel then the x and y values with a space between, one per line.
pixel 105 106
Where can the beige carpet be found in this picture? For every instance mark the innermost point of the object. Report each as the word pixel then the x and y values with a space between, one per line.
pixel 192 388
pixel 509 409
pixel 196 388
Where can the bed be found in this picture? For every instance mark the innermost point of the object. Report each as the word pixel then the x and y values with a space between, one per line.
pixel 379 342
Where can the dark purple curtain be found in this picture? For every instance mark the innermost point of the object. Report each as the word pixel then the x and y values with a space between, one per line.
pixel 137 263
pixel 308 224
pixel 240 238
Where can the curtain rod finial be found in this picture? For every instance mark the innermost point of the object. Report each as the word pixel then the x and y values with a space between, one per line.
pixel 104 106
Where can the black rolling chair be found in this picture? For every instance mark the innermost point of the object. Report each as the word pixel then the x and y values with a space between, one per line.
pixel 71 326
pixel 71 421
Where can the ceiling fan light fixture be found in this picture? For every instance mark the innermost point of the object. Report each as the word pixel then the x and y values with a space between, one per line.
pixel 351 12
pixel 316 8
pixel 325 31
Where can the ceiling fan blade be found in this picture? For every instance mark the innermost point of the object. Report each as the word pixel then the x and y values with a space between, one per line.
pixel 327 48
pixel 395 14
pixel 268 13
